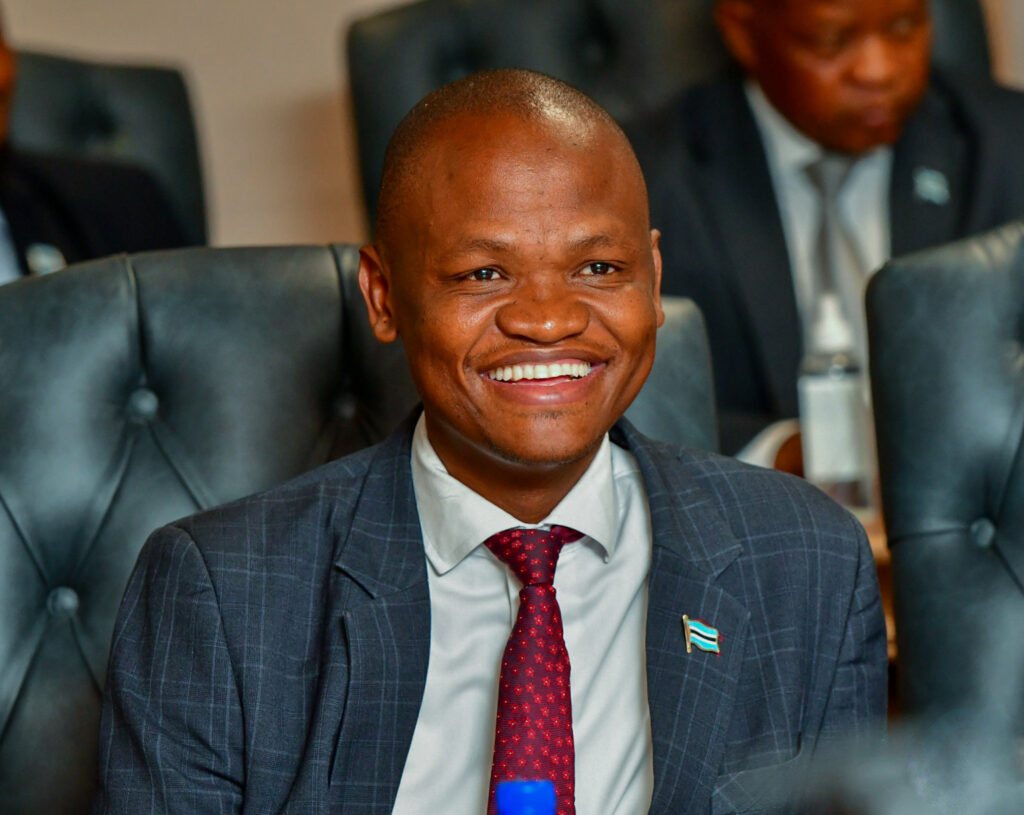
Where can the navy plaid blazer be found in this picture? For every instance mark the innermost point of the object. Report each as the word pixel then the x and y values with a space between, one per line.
pixel 270 655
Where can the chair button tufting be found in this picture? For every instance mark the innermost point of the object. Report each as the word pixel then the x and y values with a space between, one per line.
pixel 143 405
pixel 62 602
pixel 983 532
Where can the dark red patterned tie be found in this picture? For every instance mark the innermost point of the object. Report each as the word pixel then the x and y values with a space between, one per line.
pixel 533 738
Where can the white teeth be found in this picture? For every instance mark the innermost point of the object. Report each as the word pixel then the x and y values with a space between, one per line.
pixel 514 373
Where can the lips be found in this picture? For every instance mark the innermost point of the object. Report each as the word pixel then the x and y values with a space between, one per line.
pixel 571 368
pixel 878 116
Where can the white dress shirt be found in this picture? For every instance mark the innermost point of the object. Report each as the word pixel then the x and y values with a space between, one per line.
pixel 601 584
pixel 863 201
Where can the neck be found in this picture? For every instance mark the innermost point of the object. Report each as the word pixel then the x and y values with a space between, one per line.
pixel 527 491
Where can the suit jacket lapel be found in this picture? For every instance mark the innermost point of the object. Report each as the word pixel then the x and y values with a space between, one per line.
pixel 737 184
pixel 690 695
pixel 930 189
pixel 385 620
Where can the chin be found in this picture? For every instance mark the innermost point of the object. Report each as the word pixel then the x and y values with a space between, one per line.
pixel 546 449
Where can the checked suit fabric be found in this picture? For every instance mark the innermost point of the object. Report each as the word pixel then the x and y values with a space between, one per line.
pixel 533 734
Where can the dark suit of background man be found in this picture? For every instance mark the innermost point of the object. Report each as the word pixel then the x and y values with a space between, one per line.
pixel 937 157
pixel 335 644
pixel 56 210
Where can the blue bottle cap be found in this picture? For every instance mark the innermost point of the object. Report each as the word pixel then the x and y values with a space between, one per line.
pixel 525 798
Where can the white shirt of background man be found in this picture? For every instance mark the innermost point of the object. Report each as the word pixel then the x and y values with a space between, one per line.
pixel 863 201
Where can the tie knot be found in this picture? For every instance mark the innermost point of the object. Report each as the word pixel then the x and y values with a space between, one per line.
pixel 829 173
pixel 532 554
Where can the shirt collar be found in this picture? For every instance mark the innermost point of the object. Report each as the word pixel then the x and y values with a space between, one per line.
pixel 455 520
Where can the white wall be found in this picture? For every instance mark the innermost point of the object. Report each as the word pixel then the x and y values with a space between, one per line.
pixel 266 79
pixel 271 100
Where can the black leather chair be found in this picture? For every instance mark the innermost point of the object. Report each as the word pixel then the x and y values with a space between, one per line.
pixel 138 389
pixel 630 55
pixel 677 403
pixel 946 328
pixel 133 113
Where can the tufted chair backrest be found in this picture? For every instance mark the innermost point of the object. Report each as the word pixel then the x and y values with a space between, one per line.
pixel 133 113
pixel 138 389
pixel 947 370
pixel 629 55
pixel 677 403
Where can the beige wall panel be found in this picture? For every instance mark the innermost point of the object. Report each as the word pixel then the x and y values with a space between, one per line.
pixel 1006 27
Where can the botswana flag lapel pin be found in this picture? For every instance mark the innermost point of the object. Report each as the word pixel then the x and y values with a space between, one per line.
pixel 700 635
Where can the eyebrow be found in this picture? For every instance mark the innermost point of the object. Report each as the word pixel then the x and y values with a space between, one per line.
pixel 497 245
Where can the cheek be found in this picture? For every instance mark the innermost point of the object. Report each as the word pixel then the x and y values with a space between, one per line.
pixel 823 95
pixel 809 91
pixel 441 349
pixel 636 330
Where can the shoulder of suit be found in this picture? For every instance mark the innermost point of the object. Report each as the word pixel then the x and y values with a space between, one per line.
pixel 296 513
pixel 756 502
pixel 979 100
pixel 689 128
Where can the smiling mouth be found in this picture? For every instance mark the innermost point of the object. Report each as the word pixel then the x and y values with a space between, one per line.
pixel 554 370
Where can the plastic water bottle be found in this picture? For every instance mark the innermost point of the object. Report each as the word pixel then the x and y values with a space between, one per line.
pixel 525 798
pixel 835 425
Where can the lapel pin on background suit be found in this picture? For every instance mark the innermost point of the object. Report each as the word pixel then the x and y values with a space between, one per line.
pixel 700 635
pixel 931 186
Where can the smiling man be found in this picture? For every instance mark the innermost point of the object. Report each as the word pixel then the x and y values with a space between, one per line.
pixel 516 584
pixel 830 122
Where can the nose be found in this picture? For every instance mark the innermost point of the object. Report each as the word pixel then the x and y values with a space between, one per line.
pixel 544 312
pixel 877 62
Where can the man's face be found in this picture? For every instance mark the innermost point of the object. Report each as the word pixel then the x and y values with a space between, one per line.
pixel 522 250
pixel 848 73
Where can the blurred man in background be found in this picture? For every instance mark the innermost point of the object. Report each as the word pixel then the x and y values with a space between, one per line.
pixel 56 210
pixel 835 141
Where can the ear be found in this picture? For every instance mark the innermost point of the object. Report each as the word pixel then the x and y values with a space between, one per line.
pixel 375 284
pixel 735 21
pixel 656 251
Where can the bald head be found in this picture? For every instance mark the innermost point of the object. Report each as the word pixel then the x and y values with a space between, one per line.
pixel 532 97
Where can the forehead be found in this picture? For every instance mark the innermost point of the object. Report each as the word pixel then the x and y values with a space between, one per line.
pixel 466 144
pixel 501 171
pixel 809 12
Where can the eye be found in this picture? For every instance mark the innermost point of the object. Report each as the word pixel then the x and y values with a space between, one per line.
pixel 830 42
pixel 484 274
pixel 598 268
pixel 903 26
